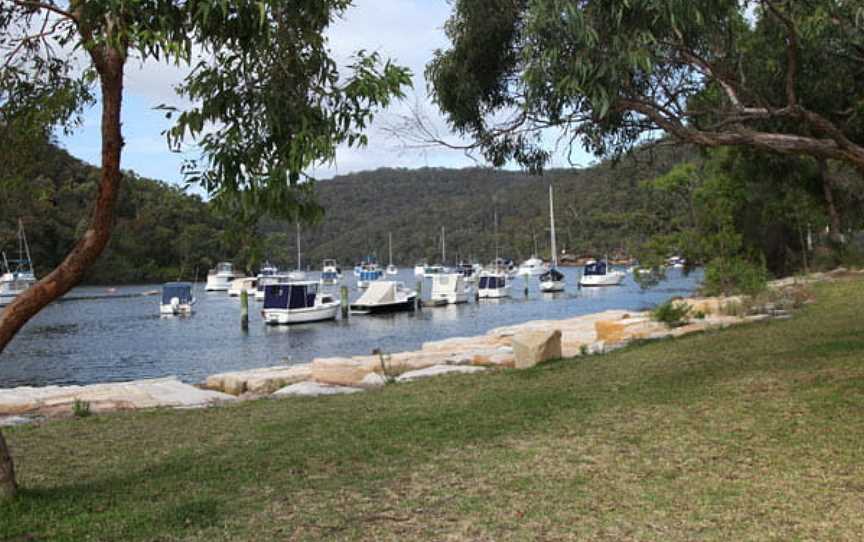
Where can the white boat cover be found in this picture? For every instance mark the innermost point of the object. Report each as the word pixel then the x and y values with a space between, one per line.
pixel 379 293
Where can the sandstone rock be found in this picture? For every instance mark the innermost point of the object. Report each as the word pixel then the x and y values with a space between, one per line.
pixel 436 370
pixel 343 371
pixel 373 380
pixel 711 305
pixel 260 381
pixel 160 392
pixel 533 347
pixel 313 389
pixel 491 358
pixel 11 421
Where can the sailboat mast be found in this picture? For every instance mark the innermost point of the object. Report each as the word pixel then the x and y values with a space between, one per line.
pixel 552 228
pixel 495 219
pixel 390 247
pixel 443 247
pixel 298 245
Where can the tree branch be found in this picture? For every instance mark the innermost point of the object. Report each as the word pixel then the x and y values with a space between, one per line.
pixel 48 7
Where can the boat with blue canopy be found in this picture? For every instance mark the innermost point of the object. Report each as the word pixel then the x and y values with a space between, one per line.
pixel 177 299
pixel 297 303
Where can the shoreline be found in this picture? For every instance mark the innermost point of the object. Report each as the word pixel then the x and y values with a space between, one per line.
pixel 515 346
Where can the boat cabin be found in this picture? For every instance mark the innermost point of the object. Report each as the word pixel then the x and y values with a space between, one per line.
pixel 295 295
pixel 594 268
pixel 181 291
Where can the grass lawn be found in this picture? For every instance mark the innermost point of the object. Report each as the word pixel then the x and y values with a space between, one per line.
pixel 753 433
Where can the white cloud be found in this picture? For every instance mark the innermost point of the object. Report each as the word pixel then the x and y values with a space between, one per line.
pixel 406 31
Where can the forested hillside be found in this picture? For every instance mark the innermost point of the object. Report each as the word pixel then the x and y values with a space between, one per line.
pixel 164 233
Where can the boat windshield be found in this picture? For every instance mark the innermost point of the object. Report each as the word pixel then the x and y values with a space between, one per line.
pixel 596 268
pixel 181 290
pixel 289 296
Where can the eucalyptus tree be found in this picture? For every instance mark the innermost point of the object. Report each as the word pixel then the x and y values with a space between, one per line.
pixel 779 75
pixel 268 103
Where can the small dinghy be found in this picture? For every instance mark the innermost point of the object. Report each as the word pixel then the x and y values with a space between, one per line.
pixel 449 289
pixel 177 299
pixel 297 303
pixel 385 296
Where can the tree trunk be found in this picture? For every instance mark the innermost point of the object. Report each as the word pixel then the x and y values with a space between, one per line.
pixel 92 243
pixel 109 63
pixel 8 486
pixel 828 191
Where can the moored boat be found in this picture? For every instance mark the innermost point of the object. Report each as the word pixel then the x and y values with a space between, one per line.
pixel 597 273
pixel 532 267
pixel 330 272
pixel 220 277
pixel 18 274
pixel 552 280
pixel 249 284
pixel 177 299
pixel 385 296
pixel 448 289
pixel 297 303
pixel 493 284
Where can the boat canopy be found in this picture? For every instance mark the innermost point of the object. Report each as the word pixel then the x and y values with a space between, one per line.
pixel 181 290
pixel 553 275
pixel 329 274
pixel 594 268
pixel 224 267
pixel 378 293
pixel 492 282
pixel 370 274
pixel 299 295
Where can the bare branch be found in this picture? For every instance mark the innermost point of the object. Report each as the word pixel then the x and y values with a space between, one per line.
pixel 46 6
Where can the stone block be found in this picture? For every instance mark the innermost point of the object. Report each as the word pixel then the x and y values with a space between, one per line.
pixel 343 371
pixel 533 347
pixel 437 370
pixel 313 389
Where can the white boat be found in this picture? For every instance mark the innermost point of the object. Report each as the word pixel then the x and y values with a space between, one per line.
pixel 297 303
pixel 676 262
pixel 493 284
pixel 552 280
pixel 219 278
pixel 177 299
pixel 385 296
pixel 18 274
pixel 249 284
pixel 330 272
pixel 434 270
pixel 597 273
pixel 270 280
pixel 391 269
pixel 532 267
pixel 420 270
pixel 470 271
pixel 448 289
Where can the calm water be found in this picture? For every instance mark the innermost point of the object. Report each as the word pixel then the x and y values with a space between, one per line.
pixel 100 340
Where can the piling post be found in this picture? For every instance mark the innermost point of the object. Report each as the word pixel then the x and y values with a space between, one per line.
pixel 526 284
pixel 343 298
pixel 244 310
pixel 418 303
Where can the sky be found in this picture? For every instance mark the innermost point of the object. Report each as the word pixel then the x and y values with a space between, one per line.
pixel 406 31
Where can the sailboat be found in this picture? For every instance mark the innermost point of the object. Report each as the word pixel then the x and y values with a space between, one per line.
pixel 433 270
pixel 298 273
pixel 15 280
pixel 391 269
pixel 494 282
pixel 552 280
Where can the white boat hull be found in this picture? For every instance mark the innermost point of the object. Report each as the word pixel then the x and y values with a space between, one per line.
pixel 609 279
pixel 553 286
pixel 493 293
pixel 175 310
pixel 325 311
pixel 449 299
pixel 219 283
